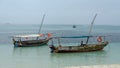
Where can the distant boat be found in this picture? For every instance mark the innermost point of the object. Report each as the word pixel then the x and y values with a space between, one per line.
pixel 83 47
pixel 74 26
pixel 31 39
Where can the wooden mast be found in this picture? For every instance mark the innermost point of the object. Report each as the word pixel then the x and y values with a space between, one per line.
pixel 91 27
pixel 41 25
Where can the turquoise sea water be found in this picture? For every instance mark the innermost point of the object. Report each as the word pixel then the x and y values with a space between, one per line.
pixel 40 57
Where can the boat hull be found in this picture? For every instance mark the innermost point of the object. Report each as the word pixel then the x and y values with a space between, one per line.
pixel 83 48
pixel 30 43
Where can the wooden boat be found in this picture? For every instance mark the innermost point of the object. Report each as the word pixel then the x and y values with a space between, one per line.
pixel 80 48
pixel 77 48
pixel 30 40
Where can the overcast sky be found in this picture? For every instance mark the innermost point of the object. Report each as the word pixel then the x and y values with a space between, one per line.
pixel 60 11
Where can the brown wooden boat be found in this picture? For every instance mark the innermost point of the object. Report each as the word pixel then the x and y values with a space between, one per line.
pixel 80 48
pixel 83 47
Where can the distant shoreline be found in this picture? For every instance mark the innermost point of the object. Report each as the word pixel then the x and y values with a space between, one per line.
pixel 56 24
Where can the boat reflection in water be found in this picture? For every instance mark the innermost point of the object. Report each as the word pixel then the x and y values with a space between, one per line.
pixel 79 59
pixel 29 51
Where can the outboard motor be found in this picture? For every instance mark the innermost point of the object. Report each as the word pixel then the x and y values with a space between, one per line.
pixel 52 48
